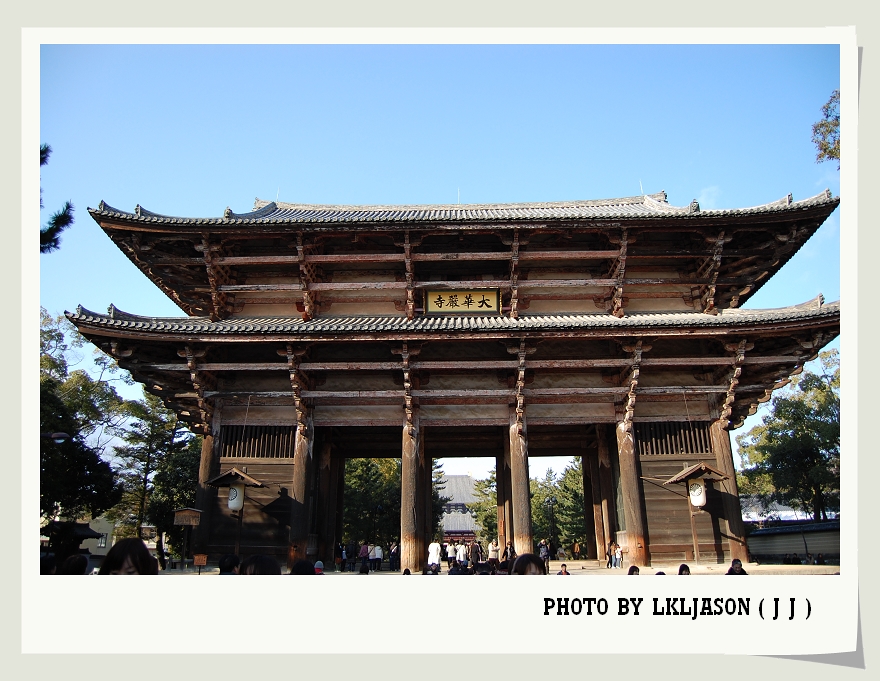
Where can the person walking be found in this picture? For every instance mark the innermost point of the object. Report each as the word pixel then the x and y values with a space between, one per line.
pixel 544 555
pixel 494 552
pixel 508 557
pixel 434 554
pixel 476 554
pixel 364 555
pixel 461 555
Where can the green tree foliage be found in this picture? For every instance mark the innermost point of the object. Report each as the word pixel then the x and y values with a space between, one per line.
pixel 50 234
pixel 570 509
pixel 174 487
pixel 74 479
pixel 152 435
pixel 826 132
pixel 437 498
pixel 371 503
pixel 793 457
pixel 485 508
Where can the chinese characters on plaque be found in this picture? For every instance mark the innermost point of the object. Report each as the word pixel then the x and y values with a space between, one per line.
pixel 472 301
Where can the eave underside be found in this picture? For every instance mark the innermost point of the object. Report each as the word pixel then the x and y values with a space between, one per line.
pixel 564 377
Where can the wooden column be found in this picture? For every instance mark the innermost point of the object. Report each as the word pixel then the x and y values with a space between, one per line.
pixel 338 463
pixel 636 529
pixel 302 471
pixel 410 548
pixel 519 489
pixel 595 523
pixel 327 489
pixel 205 496
pixel 606 487
pixel 502 494
pixel 729 490
pixel 427 499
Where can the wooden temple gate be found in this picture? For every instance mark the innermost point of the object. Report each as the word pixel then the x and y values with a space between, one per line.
pixel 606 330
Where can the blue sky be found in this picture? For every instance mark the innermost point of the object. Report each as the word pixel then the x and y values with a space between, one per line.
pixel 190 130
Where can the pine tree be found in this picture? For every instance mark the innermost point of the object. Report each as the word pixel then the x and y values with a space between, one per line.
pixel 50 234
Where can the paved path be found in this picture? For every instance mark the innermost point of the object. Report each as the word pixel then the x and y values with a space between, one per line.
pixel 594 568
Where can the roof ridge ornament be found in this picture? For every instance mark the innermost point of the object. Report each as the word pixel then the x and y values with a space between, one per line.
pixel 694 207
pixel 789 199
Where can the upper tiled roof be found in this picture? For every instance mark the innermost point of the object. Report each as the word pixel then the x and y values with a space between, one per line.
pixel 459 489
pixel 635 207
pixel 117 319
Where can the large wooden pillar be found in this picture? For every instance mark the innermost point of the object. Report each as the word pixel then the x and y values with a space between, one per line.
pixel 427 496
pixel 636 530
pixel 593 520
pixel 519 487
pixel 606 488
pixel 729 491
pixel 301 489
pixel 502 494
pixel 205 496
pixel 327 490
pixel 410 529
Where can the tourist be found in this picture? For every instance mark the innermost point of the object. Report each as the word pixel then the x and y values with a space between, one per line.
pixel 455 569
pixel 618 556
pixel 364 555
pixel 339 556
pixel 563 570
pixel 461 554
pixel 77 564
pixel 229 564
pixel 434 554
pixel 820 559
pixel 633 570
pixel 508 557
pixel 610 554
pixel 394 557
pixel 544 555
pixel 371 557
pixel 129 557
pixel 494 552
pixel 351 554
pixel 684 569
pixel 304 567
pixel 476 554
pixel 262 565
pixel 576 550
pixel 528 564
pixel 560 553
pixel 736 568
pixel 659 572
pixel 407 572
pixel 377 558
pixel 47 565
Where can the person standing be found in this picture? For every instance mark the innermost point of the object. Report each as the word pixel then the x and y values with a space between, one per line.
pixel 618 556
pixel 364 555
pixel 394 557
pixel 544 555
pixel 475 554
pixel 576 550
pixel 610 554
pixel 563 570
pixel 377 558
pixel 434 554
pixel 494 552
pixel 461 554
pixel 508 557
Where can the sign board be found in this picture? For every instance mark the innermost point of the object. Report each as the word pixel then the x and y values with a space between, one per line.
pixel 200 559
pixel 187 516
pixel 463 301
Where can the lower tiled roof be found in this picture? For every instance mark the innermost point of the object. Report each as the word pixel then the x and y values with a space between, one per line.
pixel 116 319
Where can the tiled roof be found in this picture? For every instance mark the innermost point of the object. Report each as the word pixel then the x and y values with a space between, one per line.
pixel 459 489
pixel 644 207
pixel 458 522
pixel 116 319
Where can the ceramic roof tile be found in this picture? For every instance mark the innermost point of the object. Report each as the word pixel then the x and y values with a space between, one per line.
pixel 647 206
pixel 114 318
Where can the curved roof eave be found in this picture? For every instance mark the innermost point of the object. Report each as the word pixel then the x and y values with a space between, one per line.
pixel 639 207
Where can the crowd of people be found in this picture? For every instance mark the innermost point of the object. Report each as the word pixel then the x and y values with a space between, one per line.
pixel 132 557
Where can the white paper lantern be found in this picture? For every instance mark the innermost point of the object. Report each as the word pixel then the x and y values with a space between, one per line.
pixel 697 491
pixel 236 496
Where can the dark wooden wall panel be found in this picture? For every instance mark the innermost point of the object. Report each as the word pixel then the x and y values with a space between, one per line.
pixel 668 515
